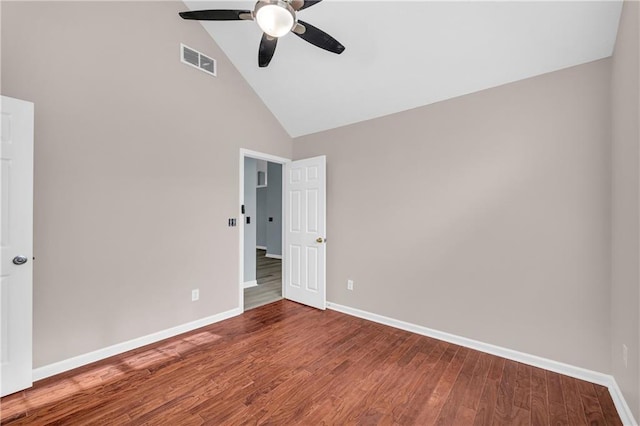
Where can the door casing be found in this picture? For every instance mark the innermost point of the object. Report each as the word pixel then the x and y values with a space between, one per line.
pixel 246 153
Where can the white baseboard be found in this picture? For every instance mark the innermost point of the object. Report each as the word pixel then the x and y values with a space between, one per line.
pixel 558 367
pixel 621 404
pixel 249 284
pixel 80 360
pixel 273 256
pixel 261 248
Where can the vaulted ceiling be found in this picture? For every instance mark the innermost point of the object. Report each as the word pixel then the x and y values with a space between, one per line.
pixel 405 54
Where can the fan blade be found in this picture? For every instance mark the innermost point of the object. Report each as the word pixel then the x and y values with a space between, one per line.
pixel 266 50
pixel 216 15
pixel 309 3
pixel 319 38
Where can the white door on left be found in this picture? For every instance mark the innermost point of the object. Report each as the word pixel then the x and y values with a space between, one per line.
pixel 16 244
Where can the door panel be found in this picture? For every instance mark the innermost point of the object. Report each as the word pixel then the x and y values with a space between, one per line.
pixel 16 236
pixel 305 225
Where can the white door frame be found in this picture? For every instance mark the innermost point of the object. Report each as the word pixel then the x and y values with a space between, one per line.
pixel 247 153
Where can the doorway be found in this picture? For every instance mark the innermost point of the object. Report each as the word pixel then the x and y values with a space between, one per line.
pixel 302 230
pixel 269 281
pixel 262 232
pixel 261 228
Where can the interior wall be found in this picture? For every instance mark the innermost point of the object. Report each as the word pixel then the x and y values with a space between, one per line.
pixel 274 209
pixel 136 168
pixel 269 211
pixel 486 216
pixel 261 217
pixel 250 218
pixel 625 290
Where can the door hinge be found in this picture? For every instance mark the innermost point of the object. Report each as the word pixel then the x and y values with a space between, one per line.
pixel 242 209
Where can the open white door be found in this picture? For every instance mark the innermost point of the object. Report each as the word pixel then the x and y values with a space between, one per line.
pixel 305 227
pixel 16 241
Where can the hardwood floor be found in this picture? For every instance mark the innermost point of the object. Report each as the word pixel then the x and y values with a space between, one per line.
pixel 269 277
pixel 285 363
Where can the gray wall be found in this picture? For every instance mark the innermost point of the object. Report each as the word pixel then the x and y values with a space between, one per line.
pixel 625 294
pixel 136 168
pixel 250 206
pixel 269 202
pixel 261 217
pixel 274 209
pixel 486 216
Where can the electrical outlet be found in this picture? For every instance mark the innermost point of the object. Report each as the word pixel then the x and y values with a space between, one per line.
pixel 625 355
pixel 349 284
pixel 195 295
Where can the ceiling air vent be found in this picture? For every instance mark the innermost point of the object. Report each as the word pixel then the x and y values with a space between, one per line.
pixel 196 59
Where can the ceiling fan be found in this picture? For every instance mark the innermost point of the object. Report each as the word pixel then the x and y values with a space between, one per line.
pixel 275 18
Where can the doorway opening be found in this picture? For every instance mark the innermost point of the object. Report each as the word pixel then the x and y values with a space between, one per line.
pixel 261 228
pixel 269 281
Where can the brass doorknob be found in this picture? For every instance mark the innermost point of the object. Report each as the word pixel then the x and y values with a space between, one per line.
pixel 320 240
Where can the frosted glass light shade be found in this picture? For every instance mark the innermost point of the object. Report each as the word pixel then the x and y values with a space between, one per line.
pixel 274 20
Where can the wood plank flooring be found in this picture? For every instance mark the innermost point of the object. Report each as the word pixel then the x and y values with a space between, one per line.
pixel 269 277
pixel 285 364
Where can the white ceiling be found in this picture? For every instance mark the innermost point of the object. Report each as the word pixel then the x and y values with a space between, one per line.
pixel 404 54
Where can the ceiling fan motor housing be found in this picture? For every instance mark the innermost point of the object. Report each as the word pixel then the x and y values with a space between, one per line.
pixel 275 17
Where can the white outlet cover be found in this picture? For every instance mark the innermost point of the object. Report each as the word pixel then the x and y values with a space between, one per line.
pixel 195 295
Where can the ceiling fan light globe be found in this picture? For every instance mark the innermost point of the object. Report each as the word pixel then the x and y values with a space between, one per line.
pixel 275 20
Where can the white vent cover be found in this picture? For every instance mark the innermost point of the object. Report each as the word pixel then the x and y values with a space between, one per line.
pixel 196 59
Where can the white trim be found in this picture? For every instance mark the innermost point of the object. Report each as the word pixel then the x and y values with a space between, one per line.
pixel 249 284
pixel 241 233
pixel 621 404
pixel 262 156
pixel 259 156
pixel 273 256
pixel 284 267
pixel 100 354
pixel 261 248
pixel 547 364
